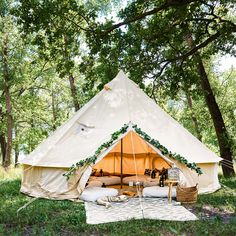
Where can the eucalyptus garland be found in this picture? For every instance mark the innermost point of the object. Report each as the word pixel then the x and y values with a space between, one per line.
pixel 92 159
pixel 165 151
pixel 115 136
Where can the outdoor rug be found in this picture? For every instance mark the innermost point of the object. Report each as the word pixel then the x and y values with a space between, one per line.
pixel 147 208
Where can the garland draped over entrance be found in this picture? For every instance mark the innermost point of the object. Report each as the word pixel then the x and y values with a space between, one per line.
pixel 116 135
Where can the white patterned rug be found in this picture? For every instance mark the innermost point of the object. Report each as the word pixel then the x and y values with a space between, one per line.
pixel 148 208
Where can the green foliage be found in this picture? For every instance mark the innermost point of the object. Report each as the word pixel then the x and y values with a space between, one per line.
pixel 56 38
pixel 224 88
pixel 41 100
pixel 33 85
pixel 43 104
pixel 59 31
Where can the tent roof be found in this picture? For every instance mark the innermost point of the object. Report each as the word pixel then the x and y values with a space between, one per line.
pixel 120 103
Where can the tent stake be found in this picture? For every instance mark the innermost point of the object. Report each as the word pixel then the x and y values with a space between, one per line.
pixel 121 163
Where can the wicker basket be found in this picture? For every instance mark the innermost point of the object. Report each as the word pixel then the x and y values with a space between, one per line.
pixel 186 195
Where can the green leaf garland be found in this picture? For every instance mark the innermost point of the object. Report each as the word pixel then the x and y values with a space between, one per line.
pixel 115 136
pixel 92 159
pixel 166 152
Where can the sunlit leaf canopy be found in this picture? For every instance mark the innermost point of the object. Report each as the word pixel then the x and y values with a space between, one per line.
pixel 61 53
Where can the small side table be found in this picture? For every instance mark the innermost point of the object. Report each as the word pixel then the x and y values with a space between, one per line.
pixel 170 184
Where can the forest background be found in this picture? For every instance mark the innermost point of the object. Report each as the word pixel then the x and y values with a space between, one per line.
pixel 56 55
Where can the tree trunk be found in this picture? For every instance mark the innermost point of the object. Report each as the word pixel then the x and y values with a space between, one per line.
pixel 54 112
pixel 74 92
pixel 2 139
pixel 73 88
pixel 7 159
pixel 194 119
pixel 6 79
pixel 3 147
pixel 16 156
pixel 16 148
pixel 224 141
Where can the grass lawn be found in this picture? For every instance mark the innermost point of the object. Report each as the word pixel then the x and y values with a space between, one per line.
pixel 46 217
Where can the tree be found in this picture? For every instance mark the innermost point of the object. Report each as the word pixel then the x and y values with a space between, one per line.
pixel 153 44
pixel 219 124
pixel 59 32
pixel 6 80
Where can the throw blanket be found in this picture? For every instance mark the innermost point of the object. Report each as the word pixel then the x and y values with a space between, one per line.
pixel 105 201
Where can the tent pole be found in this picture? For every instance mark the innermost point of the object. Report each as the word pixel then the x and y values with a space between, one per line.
pixel 121 163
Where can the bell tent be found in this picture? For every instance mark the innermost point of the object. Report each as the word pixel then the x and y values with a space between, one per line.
pixel 121 131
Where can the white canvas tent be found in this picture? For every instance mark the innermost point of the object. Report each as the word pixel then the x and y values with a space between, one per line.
pixel 121 102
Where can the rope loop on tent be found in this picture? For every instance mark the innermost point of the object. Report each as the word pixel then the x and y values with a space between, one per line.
pixel 24 206
pixel 228 161
pixel 230 166
pixel 138 187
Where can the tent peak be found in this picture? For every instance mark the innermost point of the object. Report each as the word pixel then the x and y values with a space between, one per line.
pixel 121 75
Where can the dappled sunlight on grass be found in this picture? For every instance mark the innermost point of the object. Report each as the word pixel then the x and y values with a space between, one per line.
pixel 224 199
pixel 10 174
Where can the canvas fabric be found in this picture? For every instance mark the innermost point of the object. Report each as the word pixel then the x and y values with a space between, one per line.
pixel 78 138
pixel 106 113
pixel 50 183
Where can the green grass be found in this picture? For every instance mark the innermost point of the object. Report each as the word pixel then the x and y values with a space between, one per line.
pixel 47 217
pixel 13 173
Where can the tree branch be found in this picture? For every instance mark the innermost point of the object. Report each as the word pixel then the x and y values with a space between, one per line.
pixel 203 44
pixel 166 5
pixel 199 46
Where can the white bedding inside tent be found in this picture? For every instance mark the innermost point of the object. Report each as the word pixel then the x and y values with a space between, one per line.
pixel 145 180
pixel 107 180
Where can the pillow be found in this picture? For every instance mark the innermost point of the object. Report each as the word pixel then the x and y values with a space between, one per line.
pixel 93 172
pixel 94 183
pixel 109 180
pixel 91 178
pixel 151 182
pixel 134 178
pixel 91 194
pixel 147 172
pixel 156 191
pixel 101 173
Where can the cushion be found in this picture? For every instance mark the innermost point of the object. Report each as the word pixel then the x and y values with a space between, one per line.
pixel 134 178
pixel 91 194
pixel 94 183
pixel 151 182
pixel 107 180
pixel 92 178
pixel 156 191
pixel 93 172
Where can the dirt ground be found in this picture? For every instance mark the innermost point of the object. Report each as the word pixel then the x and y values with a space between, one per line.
pixel 210 212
